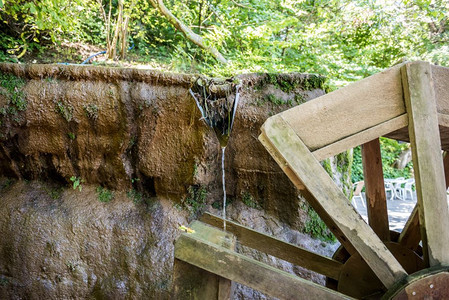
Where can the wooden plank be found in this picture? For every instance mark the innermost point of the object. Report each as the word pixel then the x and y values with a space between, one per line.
pixel 440 78
pixel 281 162
pixel 443 120
pixel 427 162
pixel 411 235
pixel 280 249
pixel 349 110
pixel 333 201
pixel 191 282
pixel 307 195
pixel 376 201
pixel 361 137
pixel 249 272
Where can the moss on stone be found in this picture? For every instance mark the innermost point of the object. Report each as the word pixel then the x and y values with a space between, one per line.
pixel 11 87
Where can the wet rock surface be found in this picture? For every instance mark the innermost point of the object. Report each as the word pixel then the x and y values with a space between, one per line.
pixel 139 134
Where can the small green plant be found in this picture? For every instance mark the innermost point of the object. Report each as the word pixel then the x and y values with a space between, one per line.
pixel 316 227
pixel 135 196
pixel 91 111
pixel 300 99
pixel 55 193
pixel 249 201
pixel 77 181
pixel 71 135
pixel 104 195
pixel 65 110
pixel 274 100
pixel 12 88
pixel 196 199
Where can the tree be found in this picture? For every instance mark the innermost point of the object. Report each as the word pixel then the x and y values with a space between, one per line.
pixel 192 36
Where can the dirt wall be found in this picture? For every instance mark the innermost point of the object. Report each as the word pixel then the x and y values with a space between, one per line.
pixel 137 134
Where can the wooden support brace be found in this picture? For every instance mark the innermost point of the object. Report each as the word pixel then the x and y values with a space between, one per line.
pixel 427 162
pixel 376 201
pixel 320 185
pixel 201 253
pixel 193 282
pixel 280 249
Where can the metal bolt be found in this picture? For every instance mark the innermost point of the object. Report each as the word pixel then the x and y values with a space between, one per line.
pixel 431 286
pixel 414 293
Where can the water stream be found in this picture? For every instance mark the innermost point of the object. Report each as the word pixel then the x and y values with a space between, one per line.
pixel 223 149
pixel 218 103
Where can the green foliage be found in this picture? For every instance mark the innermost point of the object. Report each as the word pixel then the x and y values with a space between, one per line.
pixel 71 135
pixel 249 201
pixel 135 196
pixel 65 110
pixel 77 181
pixel 195 200
pixel 316 227
pixel 104 195
pixel 91 111
pixel 11 87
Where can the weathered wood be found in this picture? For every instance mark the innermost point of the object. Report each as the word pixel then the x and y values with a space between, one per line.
pixel 427 162
pixel 411 235
pixel 359 281
pixel 376 201
pixel 247 271
pixel 361 137
pixel 191 282
pixel 332 200
pixel 281 162
pixel 283 250
pixel 352 109
pixel 306 194
pixel 428 287
pixel 440 78
pixel 446 169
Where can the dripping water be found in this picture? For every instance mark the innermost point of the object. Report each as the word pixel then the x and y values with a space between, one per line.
pixel 224 186
pixel 221 121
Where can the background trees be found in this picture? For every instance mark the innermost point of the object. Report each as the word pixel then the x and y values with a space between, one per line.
pixel 345 40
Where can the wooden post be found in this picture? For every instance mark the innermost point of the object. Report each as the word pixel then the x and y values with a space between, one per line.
pixel 376 201
pixel 192 282
pixel 427 161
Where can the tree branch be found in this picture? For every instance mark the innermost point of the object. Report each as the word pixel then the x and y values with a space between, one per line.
pixel 192 36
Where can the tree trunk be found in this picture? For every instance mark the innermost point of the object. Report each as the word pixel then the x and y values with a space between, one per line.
pixel 192 36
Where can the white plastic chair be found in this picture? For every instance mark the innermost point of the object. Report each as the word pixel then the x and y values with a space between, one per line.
pixel 389 187
pixel 408 188
pixel 357 193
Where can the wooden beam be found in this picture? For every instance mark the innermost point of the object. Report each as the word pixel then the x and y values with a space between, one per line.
pixel 427 162
pixel 280 249
pixel 361 137
pixel 307 195
pixel 191 282
pixel 247 271
pixel 332 200
pixel 411 235
pixel 376 201
pixel 349 110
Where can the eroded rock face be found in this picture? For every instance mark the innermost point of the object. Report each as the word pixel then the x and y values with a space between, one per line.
pixel 136 133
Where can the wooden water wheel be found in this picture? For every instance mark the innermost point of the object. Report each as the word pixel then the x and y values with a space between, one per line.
pixel 408 102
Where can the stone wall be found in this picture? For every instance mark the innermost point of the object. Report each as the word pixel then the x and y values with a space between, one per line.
pixel 136 134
